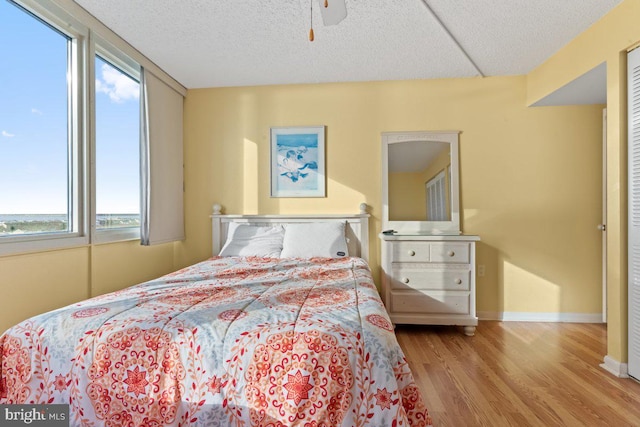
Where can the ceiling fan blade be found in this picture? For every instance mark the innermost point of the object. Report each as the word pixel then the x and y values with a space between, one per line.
pixel 334 13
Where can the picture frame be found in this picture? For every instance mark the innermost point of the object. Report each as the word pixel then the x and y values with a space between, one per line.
pixel 298 161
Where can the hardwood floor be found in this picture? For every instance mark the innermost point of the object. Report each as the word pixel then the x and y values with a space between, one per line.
pixel 519 374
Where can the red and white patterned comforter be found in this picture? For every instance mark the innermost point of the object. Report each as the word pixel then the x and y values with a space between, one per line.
pixel 226 342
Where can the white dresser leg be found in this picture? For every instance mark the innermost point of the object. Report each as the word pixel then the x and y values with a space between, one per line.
pixel 469 331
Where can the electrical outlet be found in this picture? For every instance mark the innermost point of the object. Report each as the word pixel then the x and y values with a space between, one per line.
pixel 481 270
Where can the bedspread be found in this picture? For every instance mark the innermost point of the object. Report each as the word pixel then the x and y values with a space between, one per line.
pixel 225 342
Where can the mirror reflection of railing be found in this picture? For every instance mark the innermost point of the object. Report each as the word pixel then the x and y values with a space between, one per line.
pixel 420 182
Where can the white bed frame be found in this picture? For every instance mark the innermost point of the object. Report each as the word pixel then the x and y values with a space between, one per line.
pixel 357 228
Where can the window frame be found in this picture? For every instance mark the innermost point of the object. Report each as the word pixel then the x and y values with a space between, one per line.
pixel 78 34
pixel 101 47
pixel 84 45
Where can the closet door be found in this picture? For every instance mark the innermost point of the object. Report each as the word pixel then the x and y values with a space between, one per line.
pixel 633 87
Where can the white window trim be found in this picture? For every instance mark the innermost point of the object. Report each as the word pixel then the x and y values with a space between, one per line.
pixel 41 242
pixel 115 234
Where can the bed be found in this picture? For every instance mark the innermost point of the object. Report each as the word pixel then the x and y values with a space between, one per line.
pixel 241 339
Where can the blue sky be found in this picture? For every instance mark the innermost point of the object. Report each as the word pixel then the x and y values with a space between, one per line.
pixel 117 141
pixel 33 115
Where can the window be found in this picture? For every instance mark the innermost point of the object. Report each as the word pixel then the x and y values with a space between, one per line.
pixel 70 134
pixel 117 127
pixel 38 128
pixel 53 194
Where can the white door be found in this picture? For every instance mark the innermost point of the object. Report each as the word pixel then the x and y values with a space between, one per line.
pixel 633 201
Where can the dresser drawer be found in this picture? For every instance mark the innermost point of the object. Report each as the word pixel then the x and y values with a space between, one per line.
pixel 406 278
pixel 449 252
pixel 411 251
pixel 418 302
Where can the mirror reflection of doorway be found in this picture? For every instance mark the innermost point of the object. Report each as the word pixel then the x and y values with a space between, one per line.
pixel 413 165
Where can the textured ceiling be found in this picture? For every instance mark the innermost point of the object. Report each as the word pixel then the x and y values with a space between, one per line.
pixel 214 43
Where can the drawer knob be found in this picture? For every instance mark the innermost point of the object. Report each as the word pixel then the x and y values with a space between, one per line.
pixel 411 253
pixel 458 281
pixel 451 253
pixel 405 280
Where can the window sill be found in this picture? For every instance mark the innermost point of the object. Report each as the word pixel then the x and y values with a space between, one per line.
pixel 116 235
pixel 50 242
pixel 39 243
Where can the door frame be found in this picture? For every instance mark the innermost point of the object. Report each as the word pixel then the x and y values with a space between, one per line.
pixel 603 226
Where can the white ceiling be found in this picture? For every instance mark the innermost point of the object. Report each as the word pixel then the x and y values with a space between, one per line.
pixel 414 156
pixel 216 43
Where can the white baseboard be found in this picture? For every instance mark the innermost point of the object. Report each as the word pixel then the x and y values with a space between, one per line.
pixel 614 367
pixel 518 316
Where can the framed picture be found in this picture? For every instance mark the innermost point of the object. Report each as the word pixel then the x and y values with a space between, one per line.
pixel 297 162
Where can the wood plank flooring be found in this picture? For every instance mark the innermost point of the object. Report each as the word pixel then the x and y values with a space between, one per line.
pixel 519 374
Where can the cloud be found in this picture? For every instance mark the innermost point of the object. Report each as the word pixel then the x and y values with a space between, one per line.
pixel 36 111
pixel 117 85
pixel 7 134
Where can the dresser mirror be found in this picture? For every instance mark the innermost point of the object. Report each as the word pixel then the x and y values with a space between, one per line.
pixel 420 191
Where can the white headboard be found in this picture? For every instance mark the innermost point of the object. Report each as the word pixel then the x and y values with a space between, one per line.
pixel 357 226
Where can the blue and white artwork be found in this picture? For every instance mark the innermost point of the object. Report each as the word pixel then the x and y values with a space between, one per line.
pixel 297 162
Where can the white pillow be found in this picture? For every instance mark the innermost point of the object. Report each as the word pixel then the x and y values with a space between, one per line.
pixel 317 239
pixel 251 240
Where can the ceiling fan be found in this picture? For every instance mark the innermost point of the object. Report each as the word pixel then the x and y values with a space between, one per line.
pixel 332 11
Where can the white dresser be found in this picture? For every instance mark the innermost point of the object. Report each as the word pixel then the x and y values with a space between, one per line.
pixel 430 279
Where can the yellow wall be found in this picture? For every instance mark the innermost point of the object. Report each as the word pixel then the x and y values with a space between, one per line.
pixel 530 177
pixel 37 282
pixel 407 196
pixel 606 41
